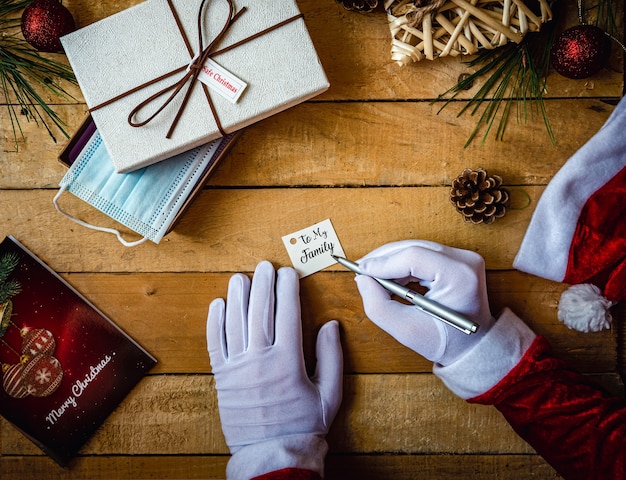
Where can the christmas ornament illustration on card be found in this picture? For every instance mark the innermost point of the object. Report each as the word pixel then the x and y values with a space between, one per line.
pixel 38 372
pixel 65 365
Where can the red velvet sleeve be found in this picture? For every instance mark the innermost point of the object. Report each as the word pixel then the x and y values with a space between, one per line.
pixel 570 421
pixel 289 474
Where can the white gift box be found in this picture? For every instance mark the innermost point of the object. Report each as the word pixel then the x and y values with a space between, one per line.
pixel 120 61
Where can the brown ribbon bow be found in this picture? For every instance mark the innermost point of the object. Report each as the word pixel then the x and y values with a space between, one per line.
pixel 193 69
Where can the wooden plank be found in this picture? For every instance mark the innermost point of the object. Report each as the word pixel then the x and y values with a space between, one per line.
pixel 233 229
pixel 375 127
pixel 176 335
pixel 379 414
pixel 400 414
pixel 357 59
pixel 432 467
pixel 316 145
pixel 365 467
pixel 340 144
pixel 355 52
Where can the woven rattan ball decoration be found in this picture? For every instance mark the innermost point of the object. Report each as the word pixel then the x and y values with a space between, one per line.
pixel 437 28
pixel 479 197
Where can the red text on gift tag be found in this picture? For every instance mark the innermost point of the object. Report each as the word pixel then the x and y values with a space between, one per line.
pixel 221 81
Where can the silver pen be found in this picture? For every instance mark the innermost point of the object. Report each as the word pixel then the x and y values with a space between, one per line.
pixel 432 308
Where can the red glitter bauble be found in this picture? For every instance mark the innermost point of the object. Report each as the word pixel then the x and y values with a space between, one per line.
pixel 37 342
pixel 44 22
pixel 13 383
pixel 580 51
pixel 42 375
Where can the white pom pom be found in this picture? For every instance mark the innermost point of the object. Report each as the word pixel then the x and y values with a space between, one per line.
pixel 584 308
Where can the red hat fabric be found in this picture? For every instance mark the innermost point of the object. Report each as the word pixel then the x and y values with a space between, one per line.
pixel 577 234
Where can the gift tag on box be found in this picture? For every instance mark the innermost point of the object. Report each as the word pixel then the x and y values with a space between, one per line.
pixel 222 81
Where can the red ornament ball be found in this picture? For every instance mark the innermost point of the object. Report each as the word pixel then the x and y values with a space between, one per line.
pixel 580 51
pixel 44 22
pixel 42 375
pixel 12 381
pixel 38 341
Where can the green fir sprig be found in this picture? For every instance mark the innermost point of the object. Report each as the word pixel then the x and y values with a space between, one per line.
pixel 25 73
pixel 8 287
pixel 515 73
pixel 604 14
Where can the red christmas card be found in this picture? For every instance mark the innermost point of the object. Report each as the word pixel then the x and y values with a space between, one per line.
pixel 65 365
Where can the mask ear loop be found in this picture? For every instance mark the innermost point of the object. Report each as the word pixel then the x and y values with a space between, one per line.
pixel 126 243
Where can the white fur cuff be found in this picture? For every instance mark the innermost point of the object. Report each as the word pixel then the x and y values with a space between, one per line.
pixel 490 360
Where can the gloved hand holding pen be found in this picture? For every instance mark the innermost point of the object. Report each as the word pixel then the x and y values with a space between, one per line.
pixel 455 278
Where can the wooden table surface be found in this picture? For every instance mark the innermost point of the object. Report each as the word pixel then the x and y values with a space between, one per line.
pixel 372 154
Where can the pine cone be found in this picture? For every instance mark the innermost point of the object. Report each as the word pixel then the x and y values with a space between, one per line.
pixel 364 6
pixel 480 198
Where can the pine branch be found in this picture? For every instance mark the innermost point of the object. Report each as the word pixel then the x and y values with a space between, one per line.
pixel 604 16
pixel 24 73
pixel 8 7
pixel 8 288
pixel 514 73
pixel 517 73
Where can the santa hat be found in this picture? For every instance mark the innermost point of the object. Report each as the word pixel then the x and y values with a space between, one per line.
pixel 577 234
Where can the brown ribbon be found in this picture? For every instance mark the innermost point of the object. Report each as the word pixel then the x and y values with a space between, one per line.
pixel 193 69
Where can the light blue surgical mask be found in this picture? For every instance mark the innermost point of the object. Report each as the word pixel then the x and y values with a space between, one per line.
pixel 146 200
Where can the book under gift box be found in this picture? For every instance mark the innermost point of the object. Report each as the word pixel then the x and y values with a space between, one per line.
pixel 66 366
pixel 121 61
pixel 74 147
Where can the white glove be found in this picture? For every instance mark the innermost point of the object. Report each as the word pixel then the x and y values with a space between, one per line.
pixel 265 396
pixel 454 278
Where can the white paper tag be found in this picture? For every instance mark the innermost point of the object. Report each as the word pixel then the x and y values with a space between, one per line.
pixel 310 249
pixel 221 81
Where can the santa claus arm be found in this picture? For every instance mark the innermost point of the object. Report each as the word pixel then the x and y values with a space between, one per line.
pixel 569 420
